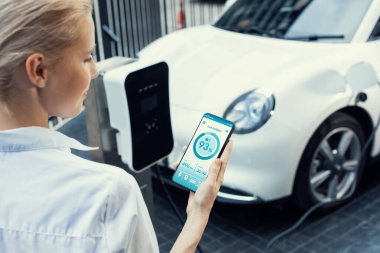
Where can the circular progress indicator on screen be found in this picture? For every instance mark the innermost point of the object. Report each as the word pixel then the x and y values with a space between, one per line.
pixel 206 145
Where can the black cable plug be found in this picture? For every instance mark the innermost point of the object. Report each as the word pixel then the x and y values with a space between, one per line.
pixel 362 97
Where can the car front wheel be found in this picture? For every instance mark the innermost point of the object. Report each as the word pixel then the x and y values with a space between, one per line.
pixel 331 165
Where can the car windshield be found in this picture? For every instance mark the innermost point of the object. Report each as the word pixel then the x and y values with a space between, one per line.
pixel 309 20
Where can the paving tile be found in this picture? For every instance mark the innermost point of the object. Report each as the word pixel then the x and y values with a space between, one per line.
pixel 227 249
pixel 366 247
pixel 206 239
pixel 228 238
pixel 275 250
pixel 286 244
pixel 302 250
pixel 214 232
pixel 343 228
pixel 375 221
pixel 338 246
pixel 165 247
pixel 299 237
pixel 252 249
pixel 215 246
pixel 323 225
pixel 365 213
pixel 255 241
pixel 314 245
pixel 361 233
pixel 356 206
pixel 171 234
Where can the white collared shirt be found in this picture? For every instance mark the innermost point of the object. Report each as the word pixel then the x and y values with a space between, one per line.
pixel 54 201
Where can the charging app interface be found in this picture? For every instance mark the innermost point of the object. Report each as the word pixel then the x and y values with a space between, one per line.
pixel 204 147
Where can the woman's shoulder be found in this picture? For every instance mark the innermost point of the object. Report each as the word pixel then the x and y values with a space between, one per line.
pixel 102 169
pixel 122 184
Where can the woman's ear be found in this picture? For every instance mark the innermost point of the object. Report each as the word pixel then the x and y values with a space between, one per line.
pixel 36 69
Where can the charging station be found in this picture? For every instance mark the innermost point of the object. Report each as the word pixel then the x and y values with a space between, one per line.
pixel 128 118
pixel 138 102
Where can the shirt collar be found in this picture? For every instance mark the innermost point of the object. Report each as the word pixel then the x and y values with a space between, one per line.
pixel 34 138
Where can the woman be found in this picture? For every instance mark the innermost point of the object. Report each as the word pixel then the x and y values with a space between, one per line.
pixel 51 200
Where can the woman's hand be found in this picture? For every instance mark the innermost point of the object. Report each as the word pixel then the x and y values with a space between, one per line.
pixel 200 204
pixel 203 199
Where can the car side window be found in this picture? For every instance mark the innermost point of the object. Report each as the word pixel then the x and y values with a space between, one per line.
pixel 375 35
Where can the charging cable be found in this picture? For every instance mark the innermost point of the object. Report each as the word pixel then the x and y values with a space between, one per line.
pixel 315 207
pixel 170 199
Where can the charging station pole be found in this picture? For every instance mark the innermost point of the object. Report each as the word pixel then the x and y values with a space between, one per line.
pixel 102 135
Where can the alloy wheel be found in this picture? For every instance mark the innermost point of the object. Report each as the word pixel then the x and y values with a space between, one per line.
pixel 334 166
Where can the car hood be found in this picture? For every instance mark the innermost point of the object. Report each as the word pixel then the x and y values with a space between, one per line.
pixel 210 67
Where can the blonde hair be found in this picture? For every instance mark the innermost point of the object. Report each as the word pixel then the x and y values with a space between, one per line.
pixel 30 26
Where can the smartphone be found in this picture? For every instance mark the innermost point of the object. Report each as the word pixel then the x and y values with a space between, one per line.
pixel 207 144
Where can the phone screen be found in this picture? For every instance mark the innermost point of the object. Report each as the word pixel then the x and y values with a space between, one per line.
pixel 206 145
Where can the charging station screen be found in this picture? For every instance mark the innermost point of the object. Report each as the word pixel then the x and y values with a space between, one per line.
pixel 149 104
pixel 204 148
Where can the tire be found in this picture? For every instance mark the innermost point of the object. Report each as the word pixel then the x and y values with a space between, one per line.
pixel 330 167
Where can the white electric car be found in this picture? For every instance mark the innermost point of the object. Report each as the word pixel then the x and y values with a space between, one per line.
pixel 300 79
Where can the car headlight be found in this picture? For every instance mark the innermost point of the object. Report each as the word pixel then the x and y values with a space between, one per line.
pixel 251 110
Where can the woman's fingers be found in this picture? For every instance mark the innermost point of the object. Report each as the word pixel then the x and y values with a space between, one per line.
pixel 224 158
pixel 227 151
pixel 218 167
pixel 175 165
pixel 214 170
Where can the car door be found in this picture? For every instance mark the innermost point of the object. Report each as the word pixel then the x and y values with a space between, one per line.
pixel 374 41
